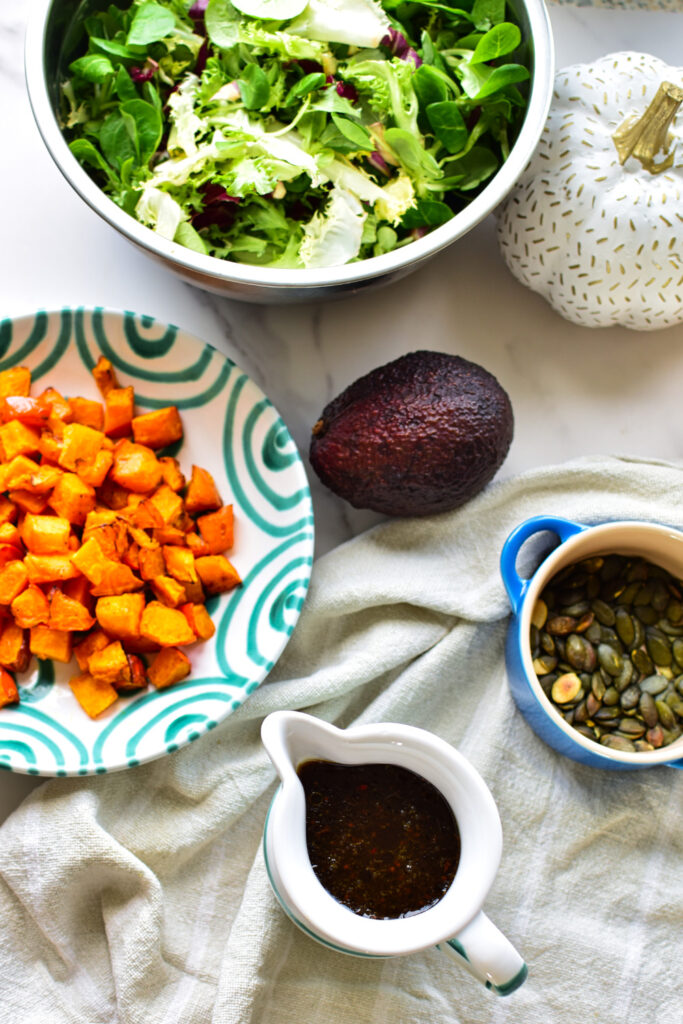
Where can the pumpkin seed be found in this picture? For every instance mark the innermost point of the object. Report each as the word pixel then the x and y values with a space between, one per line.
pixel 607 647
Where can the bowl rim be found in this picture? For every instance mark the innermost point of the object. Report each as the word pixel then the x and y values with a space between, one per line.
pixel 563 555
pixel 306 278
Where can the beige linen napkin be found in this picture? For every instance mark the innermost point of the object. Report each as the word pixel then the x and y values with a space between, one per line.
pixel 141 897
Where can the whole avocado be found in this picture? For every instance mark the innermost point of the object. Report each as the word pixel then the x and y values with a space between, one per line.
pixel 420 435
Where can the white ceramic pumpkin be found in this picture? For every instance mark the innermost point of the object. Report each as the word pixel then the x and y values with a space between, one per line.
pixel 595 223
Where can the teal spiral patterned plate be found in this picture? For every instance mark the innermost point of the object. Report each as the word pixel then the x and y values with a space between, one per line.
pixel 231 429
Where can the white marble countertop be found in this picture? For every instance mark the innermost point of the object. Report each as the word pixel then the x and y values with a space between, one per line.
pixel 574 391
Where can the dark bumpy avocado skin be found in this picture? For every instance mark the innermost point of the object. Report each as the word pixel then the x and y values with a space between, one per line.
pixel 422 434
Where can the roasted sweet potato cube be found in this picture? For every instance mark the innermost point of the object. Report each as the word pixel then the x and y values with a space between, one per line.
pixel 8 689
pixel 17 438
pixel 46 535
pixel 111 495
pixel 158 428
pixel 72 498
pixel 169 591
pixel 169 535
pixel 17 473
pixel 30 607
pixel 136 468
pixel 31 411
pixel 194 592
pixel 142 514
pixel 118 579
pixel 66 614
pixel 119 408
pixel 50 447
pixel 112 539
pixel 169 666
pixel 93 641
pixel 14 648
pixel 94 695
pixel 27 501
pixel 90 560
pixel 165 626
pixel 109 664
pixel 135 676
pixel 79 442
pixel 200 621
pixel 180 563
pixel 50 568
pixel 217 530
pixel 8 510
pixel 170 507
pixel 87 412
pixel 95 472
pixel 15 381
pixel 172 474
pixel 197 546
pixel 217 574
pixel 105 376
pixel 10 553
pixel 59 409
pixel 9 534
pixel 13 579
pixel 119 616
pixel 201 494
pixel 98 517
pixel 50 643
pixel 151 562
pixel 43 480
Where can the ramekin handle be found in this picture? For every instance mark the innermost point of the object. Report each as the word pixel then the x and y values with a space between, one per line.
pixel 516 587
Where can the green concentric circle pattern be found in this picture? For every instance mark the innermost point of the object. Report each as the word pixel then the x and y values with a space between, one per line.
pixel 232 430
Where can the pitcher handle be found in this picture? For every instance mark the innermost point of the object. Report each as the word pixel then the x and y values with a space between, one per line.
pixel 516 587
pixel 485 952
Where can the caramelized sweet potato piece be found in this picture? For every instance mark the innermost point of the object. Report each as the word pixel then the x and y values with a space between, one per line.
pixel 105 376
pixel 31 411
pixel 27 501
pixel 194 592
pixel 199 620
pixel 50 643
pixel 169 506
pixel 159 428
pixel 13 579
pixel 217 530
pixel 169 591
pixel 217 574
pixel 119 616
pixel 142 515
pixel 119 407
pixel 8 510
pixel 172 474
pixel 111 495
pixel 50 568
pixel 78 589
pixel 95 472
pixel 8 689
pixel 9 534
pixel 151 562
pixel 180 564
pixel 164 626
pixel 14 648
pixel 59 409
pixel 17 438
pixel 72 498
pixel 30 607
pixel 15 381
pixel 95 640
pixel 109 664
pixel 197 546
pixel 87 412
pixel 136 468
pixel 107 575
pixel 66 614
pixel 79 442
pixel 46 535
pixel 18 473
pixel 50 447
pixel 93 695
pixel 135 676
pixel 169 666
pixel 43 480
pixel 202 494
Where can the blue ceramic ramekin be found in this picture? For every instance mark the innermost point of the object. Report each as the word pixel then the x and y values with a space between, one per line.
pixel 661 545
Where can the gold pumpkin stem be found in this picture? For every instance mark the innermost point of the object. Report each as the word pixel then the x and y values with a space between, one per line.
pixel 643 137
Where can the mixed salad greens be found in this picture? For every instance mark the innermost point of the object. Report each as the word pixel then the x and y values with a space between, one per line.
pixel 294 133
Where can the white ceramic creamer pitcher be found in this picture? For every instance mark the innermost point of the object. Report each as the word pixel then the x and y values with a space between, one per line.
pixel 456 924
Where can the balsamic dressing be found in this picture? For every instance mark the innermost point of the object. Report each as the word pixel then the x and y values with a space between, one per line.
pixel 381 839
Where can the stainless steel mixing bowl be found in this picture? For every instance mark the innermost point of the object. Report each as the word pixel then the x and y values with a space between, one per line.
pixel 48 34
